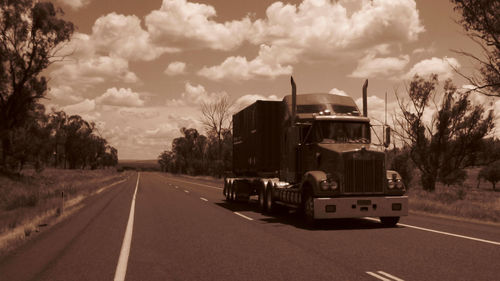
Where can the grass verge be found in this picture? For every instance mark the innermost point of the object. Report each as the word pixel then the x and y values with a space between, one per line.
pixel 33 201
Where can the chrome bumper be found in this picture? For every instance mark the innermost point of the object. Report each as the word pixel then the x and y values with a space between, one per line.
pixel 355 207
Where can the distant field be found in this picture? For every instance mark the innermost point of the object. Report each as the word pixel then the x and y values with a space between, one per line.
pixel 143 165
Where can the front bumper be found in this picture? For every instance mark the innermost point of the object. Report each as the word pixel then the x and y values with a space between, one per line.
pixel 355 207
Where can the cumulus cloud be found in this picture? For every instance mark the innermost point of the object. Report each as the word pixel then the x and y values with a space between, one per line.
pixel 269 63
pixel 175 68
pixel 195 95
pixel 84 106
pixel 443 67
pixel 325 27
pixel 123 36
pixel 246 100
pixel 74 4
pixel 179 22
pixel 370 66
pixel 336 91
pixel 120 97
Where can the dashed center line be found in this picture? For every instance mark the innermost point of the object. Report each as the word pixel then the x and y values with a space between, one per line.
pixel 203 199
pixel 379 274
pixel 187 191
pixel 243 216
pixel 200 184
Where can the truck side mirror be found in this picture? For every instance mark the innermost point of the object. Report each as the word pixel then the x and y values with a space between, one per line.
pixel 387 136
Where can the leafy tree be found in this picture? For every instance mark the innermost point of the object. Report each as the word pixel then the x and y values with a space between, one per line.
pixel 482 24
pixel 440 148
pixel 30 33
pixel 490 173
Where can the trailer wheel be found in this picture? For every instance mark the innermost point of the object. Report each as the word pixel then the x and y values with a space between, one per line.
pixel 270 205
pixel 262 199
pixel 309 210
pixel 389 221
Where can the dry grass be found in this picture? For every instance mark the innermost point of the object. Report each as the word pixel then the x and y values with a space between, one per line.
pixel 37 195
pixel 468 201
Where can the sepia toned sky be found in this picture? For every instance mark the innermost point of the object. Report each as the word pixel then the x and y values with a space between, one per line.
pixel 141 69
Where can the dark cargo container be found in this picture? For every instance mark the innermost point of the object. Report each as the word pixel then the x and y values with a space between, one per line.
pixel 256 141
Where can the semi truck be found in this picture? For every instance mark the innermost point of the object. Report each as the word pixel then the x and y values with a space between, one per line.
pixel 313 152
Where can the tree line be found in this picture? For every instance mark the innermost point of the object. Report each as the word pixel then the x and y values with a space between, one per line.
pixel 31 34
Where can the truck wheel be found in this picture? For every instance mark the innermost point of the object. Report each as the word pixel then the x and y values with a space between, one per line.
pixel 270 205
pixel 233 191
pixel 226 190
pixel 389 221
pixel 262 199
pixel 309 210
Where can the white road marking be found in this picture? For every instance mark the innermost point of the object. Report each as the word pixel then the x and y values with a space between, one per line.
pixel 203 199
pixel 121 267
pixel 390 276
pixel 444 233
pixel 176 186
pixel 378 276
pixel 187 191
pixel 211 186
pixel 243 216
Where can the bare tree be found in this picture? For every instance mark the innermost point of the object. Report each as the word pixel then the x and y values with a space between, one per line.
pixel 442 147
pixel 481 21
pixel 216 118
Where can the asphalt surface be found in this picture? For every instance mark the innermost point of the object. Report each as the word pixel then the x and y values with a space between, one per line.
pixel 183 229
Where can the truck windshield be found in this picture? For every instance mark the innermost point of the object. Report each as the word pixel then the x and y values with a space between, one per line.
pixel 342 132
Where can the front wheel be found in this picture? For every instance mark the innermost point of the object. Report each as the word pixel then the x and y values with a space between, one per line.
pixel 389 221
pixel 262 199
pixel 269 205
pixel 309 210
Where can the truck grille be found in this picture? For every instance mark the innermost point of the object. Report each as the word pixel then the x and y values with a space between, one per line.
pixel 364 175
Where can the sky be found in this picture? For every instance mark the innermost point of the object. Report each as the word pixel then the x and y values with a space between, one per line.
pixel 141 69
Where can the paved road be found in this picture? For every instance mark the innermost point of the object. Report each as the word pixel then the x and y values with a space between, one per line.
pixel 182 229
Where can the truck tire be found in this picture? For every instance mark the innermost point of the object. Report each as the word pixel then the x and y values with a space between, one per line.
pixel 270 205
pixel 227 185
pixel 262 199
pixel 309 210
pixel 389 221
pixel 233 191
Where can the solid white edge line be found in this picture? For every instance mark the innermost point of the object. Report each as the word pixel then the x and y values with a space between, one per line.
pixel 243 216
pixel 444 233
pixel 203 199
pixel 211 186
pixel 121 267
pixel 389 275
pixel 378 276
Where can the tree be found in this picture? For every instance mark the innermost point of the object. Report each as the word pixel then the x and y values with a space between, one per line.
pixel 490 173
pixel 30 33
pixel 482 24
pixel 216 118
pixel 440 148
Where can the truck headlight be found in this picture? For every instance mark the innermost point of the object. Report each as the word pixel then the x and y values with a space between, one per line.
pixel 328 185
pixel 390 184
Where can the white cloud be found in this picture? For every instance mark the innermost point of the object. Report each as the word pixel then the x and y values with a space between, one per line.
pixel 323 27
pixel 123 36
pixel 269 63
pixel 84 106
pixel 370 66
pixel 74 4
pixel 336 91
pixel 246 100
pixel 179 22
pixel 442 67
pixel 175 68
pixel 120 97
pixel 195 95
